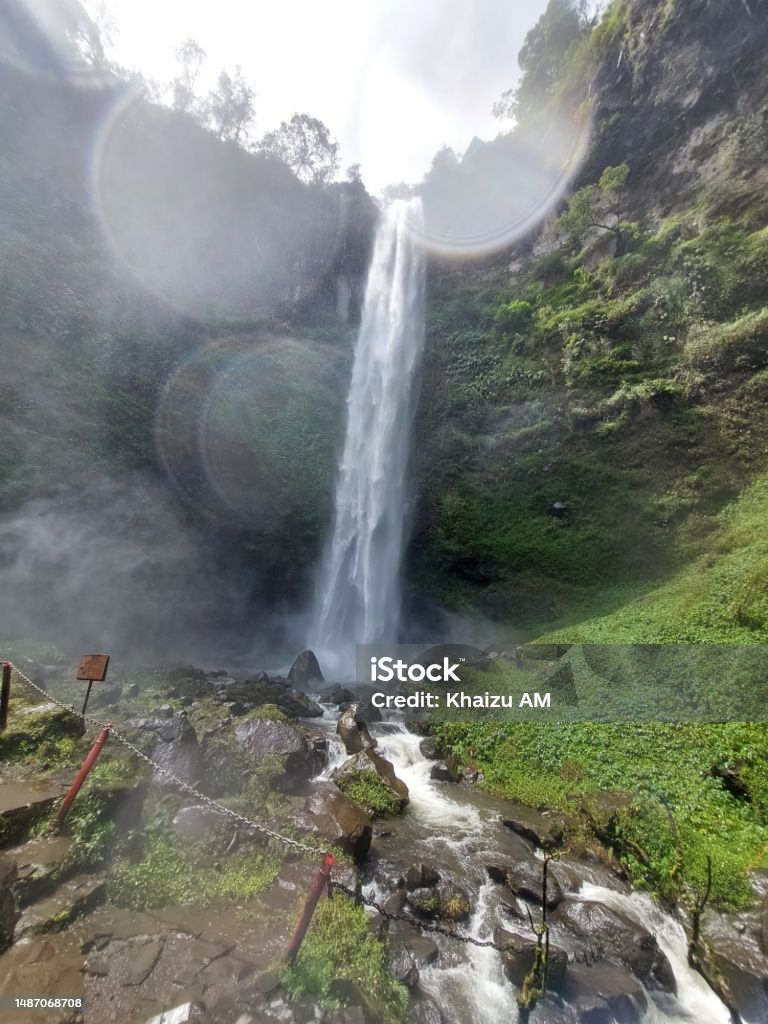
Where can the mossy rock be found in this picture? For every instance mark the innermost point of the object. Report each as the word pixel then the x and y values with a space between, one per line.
pixel 30 728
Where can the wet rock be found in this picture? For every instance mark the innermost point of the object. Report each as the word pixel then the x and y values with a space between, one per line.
pixel 445 771
pixel 22 804
pixel 402 966
pixel 143 962
pixel 338 694
pixel 445 901
pixel 454 902
pixel 368 760
pixel 430 748
pixel 176 749
pixel 262 738
pixel 424 901
pixel 519 955
pixel 353 734
pixel 546 831
pixel 366 712
pixel 305 670
pixel 340 820
pixel 298 705
pixel 162 711
pixel 617 936
pixel 524 879
pixel 347 1015
pixel 41 863
pixel 421 876
pixel 424 1010
pixel 424 951
pixel 131 691
pixel 57 910
pixel 764 926
pixel 197 821
pixel 8 911
pixel 734 942
pixel 604 994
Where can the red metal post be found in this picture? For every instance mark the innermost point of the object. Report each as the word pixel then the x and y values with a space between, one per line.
pixel 320 882
pixel 74 789
pixel 5 694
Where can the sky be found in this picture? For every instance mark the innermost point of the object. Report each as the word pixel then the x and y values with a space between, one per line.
pixel 394 80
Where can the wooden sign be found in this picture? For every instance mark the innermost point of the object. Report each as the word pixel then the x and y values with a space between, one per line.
pixel 93 668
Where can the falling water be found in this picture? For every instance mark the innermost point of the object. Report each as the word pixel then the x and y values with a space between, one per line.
pixel 359 591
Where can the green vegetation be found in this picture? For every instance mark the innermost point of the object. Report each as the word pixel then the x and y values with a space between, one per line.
pixel 175 872
pixel 370 791
pixel 677 813
pixel 339 950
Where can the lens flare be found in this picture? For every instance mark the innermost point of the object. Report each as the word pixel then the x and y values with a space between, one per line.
pixel 500 190
pixel 250 426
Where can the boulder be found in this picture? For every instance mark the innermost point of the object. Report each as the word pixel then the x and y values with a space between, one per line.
pixel 617 936
pixel 338 694
pixel 297 705
pixel 369 761
pixel 424 1010
pixel 176 749
pixel 340 820
pixel 445 771
pixel 546 831
pixel 524 879
pixel 604 994
pixel 262 738
pixel 444 900
pixel 421 876
pixel 430 748
pixel 354 735
pixel 734 944
pixel 8 911
pixel 305 670
pixel 402 966
pixel 106 695
pixel 454 902
pixel 519 955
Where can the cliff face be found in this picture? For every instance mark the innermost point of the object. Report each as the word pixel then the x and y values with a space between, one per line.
pixel 586 416
pixel 174 368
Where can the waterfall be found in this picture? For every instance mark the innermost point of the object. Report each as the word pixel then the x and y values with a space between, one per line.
pixel 358 598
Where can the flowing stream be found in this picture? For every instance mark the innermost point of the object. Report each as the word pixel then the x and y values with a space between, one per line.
pixel 358 600
pixel 459 830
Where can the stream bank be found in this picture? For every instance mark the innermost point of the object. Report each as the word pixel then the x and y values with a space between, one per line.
pixel 96 923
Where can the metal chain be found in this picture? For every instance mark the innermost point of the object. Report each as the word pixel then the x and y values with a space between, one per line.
pixel 421 926
pixel 296 843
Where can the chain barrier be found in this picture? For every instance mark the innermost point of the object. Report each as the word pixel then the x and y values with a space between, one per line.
pixel 421 926
pixel 209 801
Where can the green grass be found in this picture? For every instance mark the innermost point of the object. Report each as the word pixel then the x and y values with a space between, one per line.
pixel 170 872
pixel 340 948
pixel 370 791
pixel 681 813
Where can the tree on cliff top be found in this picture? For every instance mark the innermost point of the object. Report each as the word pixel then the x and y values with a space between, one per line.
pixel 541 59
pixel 306 146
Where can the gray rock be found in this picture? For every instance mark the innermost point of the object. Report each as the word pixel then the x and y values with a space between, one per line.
pixel 524 879
pixel 103 696
pixel 353 734
pixel 519 955
pixel 445 771
pixel 421 876
pixel 430 749
pixel 297 705
pixel 369 761
pixel 340 820
pixel 305 670
pixel 545 831
pixel 424 1010
pixel 402 966
pixel 604 994
pixel 176 750
pixel 618 937
pixel 263 737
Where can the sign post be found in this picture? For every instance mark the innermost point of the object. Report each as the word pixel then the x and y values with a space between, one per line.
pixel 92 669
